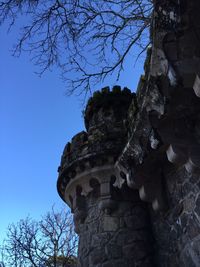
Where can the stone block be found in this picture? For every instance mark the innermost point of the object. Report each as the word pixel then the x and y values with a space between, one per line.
pixel 110 224
pixel 138 219
pixel 97 256
pixel 83 262
pixel 193 228
pixel 116 263
pixel 136 251
pixel 135 222
pixel 171 51
pixel 145 263
pixel 189 203
pixel 113 251
pixel 176 154
pixel 197 207
pixel 189 65
pixel 129 237
pixel 100 239
pixel 193 163
pixel 190 255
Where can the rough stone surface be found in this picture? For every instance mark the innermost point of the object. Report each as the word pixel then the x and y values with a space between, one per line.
pixel 154 144
pixel 106 243
pixel 177 231
pixel 168 108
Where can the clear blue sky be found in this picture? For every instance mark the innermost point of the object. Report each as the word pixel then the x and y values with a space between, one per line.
pixel 37 120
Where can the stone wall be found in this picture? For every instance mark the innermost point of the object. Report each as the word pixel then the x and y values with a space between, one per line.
pixel 177 231
pixel 147 160
pixel 163 151
pixel 122 238
pixel 111 220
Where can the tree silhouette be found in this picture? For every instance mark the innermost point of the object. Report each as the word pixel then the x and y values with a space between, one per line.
pixel 50 242
pixel 86 39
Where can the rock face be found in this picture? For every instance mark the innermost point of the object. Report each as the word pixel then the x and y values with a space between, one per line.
pixel 133 179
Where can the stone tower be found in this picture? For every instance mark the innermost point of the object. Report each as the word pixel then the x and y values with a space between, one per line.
pixel 139 149
pixel 110 219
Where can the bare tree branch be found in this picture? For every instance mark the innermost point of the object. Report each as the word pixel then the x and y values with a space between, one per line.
pixel 45 243
pixel 86 40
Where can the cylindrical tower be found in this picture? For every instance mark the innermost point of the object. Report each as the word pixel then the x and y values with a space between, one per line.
pixel 110 219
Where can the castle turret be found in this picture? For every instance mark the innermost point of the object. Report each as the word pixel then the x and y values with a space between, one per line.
pixel 110 219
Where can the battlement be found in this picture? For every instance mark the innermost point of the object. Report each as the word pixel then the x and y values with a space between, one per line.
pixel 99 147
pixel 107 106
